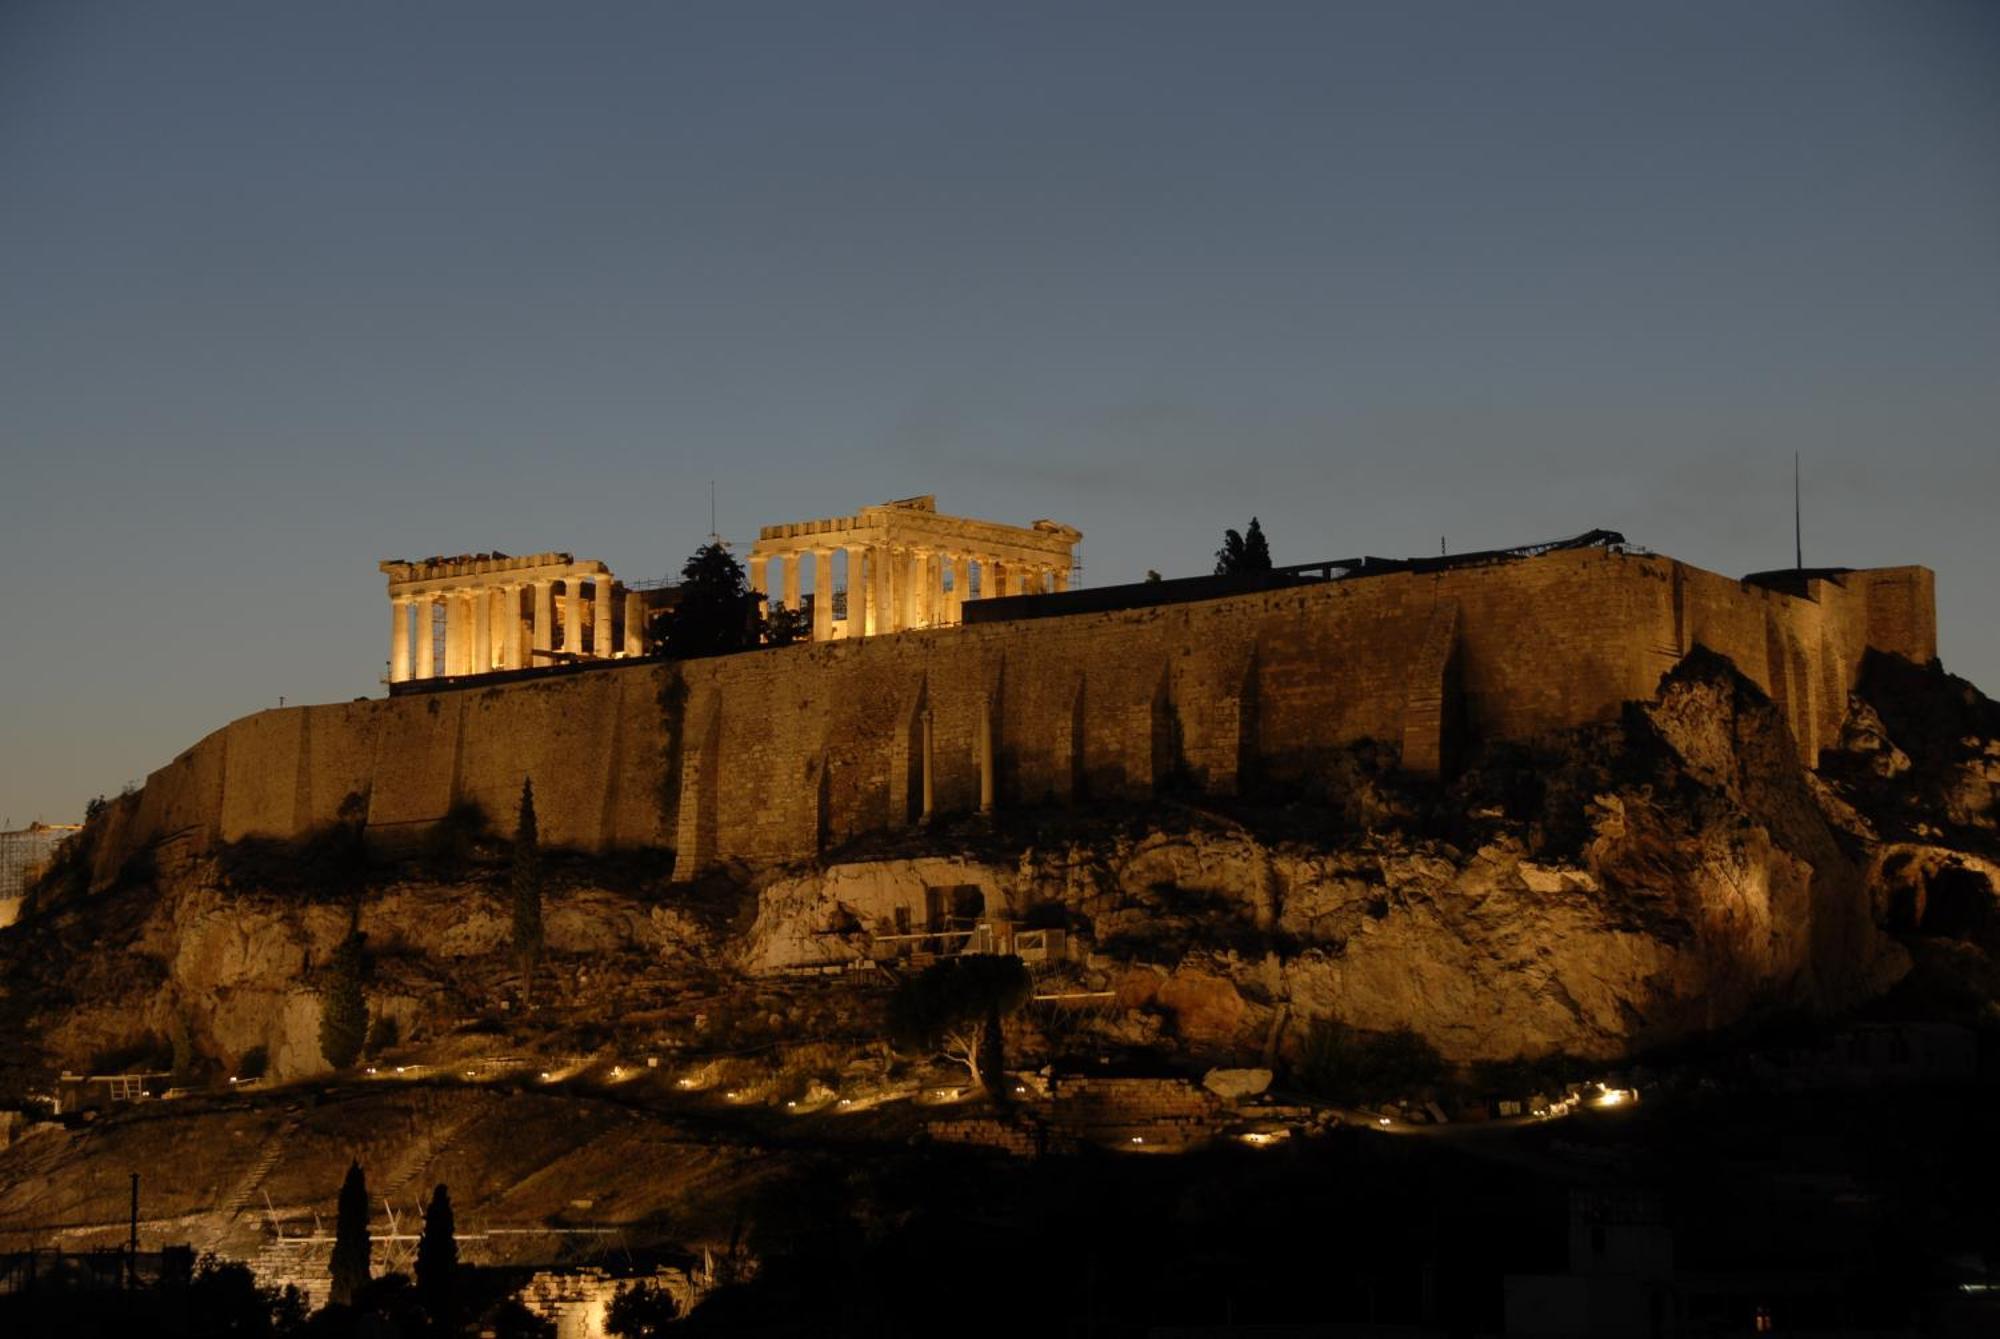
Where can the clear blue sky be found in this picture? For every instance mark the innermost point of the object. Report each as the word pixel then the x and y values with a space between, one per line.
pixel 288 288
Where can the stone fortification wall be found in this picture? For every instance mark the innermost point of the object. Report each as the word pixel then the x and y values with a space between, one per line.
pixel 776 755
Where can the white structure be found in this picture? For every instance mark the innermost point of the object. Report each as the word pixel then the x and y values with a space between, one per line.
pixel 907 566
pixel 481 612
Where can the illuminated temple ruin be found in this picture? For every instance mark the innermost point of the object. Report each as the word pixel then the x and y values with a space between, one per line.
pixel 481 612
pixel 907 566
pixel 903 566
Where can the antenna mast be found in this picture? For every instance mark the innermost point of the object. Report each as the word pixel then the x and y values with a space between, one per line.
pixel 1799 534
pixel 713 536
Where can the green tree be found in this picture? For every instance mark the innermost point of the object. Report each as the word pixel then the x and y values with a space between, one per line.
pixel 641 1311
pixel 715 611
pixel 343 1016
pixel 182 1038
pixel 350 1238
pixel 527 883
pixel 437 1261
pixel 1245 553
pixel 784 626
pixel 954 1008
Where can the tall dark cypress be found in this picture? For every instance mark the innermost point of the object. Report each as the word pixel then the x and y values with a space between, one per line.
pixel 343 1019
pixel 350 1237
pixel 1256 549
pixel 527 882
pixel 437 1261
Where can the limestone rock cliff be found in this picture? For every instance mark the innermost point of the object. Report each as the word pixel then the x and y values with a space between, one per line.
pixel 1600 893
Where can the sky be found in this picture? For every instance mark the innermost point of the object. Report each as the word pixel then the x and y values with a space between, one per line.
pixel 290 288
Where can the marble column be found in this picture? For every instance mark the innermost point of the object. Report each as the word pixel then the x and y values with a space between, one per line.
pixel 934 590
pixel 822 595
pixel 635 624
pixel 572 616
pixel 1062 578
pixel 760 573
pixel 790 570
pixel 455 634
pixel 427 640
pixel 857 591
pixel 480 644
pixel 961 585
pixel 913 588
pixel 508 601
pixel 399 640
pixel 600 628
pixel 888 588
pixel 995 584
pixel 545 621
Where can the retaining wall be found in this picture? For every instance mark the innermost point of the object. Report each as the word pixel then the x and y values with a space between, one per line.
pixel 774 755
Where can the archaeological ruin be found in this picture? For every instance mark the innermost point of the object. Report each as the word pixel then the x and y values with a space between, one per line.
pixel 781 754
pixel 481 612
pixel 907 566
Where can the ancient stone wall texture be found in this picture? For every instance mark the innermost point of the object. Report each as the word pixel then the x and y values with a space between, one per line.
pixel 775 755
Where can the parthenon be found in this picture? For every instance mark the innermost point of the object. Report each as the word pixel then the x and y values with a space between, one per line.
pixel 481 612
pixel 908 566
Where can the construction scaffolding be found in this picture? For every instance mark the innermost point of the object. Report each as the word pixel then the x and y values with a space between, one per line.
pixel 24 854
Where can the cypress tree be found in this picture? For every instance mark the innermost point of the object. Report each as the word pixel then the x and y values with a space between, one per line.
pixel 1256 549
pixel 527 883
pixel 437 1261
pixel 350 1238
pixel 343 1017
pixel 1241 553
pixel 1229 558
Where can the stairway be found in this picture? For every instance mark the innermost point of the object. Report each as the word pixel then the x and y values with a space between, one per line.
pixel 423 1154
pixel 252 1180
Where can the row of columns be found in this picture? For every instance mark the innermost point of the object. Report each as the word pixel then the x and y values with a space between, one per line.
pixel 893 587
pixel 485 628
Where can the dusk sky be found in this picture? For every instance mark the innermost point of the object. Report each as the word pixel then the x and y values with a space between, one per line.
pixel 287 289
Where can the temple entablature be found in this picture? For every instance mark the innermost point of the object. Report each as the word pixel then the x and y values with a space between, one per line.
pixel 478 613
pixel 905 565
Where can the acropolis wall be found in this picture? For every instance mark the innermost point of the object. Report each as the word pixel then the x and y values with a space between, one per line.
pixel 776 755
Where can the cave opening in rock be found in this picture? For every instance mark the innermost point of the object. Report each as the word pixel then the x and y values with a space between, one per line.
pixel 1958 902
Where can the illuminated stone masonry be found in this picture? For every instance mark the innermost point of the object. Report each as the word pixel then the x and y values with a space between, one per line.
pixel 481 612
pixel 907 566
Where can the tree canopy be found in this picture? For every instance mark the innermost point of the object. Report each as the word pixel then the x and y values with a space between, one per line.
pixel 437 1260
pixel 350 1238
pixel 641 1311
pixel 1243 553
pixel 716 612
pixel 527 882
pixel 954 1007
pixel 343 1017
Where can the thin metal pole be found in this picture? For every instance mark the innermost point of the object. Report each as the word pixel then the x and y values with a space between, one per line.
pixel 132 1245
pixel 1798 530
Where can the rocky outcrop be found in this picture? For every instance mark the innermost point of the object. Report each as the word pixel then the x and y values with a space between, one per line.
pixel 1706 884
pixel 1608 891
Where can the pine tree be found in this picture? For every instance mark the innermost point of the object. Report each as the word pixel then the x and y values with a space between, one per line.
pixel 437 1261
pixel 343 1016
pixel 715 611
pixel 1243 553
pixel 1256 549
pixel 527 883
pixel 1229 558
pixel 350 1238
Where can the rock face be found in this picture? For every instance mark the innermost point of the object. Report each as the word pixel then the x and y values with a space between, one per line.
pixel 1684 877
pixel 1601 893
